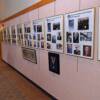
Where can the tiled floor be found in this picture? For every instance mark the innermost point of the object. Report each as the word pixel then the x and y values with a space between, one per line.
pixel 14 87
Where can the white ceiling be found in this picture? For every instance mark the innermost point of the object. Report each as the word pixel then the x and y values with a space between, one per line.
pixel 10 7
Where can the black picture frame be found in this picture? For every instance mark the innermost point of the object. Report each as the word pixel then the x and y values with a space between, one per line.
pixel 54 62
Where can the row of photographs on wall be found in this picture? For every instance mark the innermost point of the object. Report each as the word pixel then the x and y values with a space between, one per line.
pixel 53 59
pixel 23 34
pixel 75 37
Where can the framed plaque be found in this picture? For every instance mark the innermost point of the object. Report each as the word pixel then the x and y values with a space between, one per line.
pixel 29 54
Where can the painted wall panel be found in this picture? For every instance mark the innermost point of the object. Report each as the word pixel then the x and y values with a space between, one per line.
pixel 65 6
pixel 10 7
pixel 30 70
pixel 33 14
pixel 89 78
pixel 89 3
pixel 4 51
pixel 47 9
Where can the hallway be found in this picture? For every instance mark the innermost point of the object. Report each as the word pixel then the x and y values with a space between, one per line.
pixel 14 87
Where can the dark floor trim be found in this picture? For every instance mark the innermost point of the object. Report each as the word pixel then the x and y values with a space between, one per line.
pixel 48 94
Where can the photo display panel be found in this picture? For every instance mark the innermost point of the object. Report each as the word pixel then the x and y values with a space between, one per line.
pixel 1 32
pixel 27 34
pixel 99 37
pixel 13 34
pixel 79 33
pixel 54 33
pixel 20 34
pixel 5 34
pixel 8 35
pixel 38 34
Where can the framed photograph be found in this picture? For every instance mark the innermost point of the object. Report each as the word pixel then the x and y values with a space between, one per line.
pixel 39 28
pixel 76 49
pixel 54 63
pixel 38 34
pixel 69 37
pixel 48 46
pixel 87 50
pixel 54 33
pixel 29 54
pixel 59 37
pixel 75 37
pixel 42 45
pixel 69 48
pixel 56 26
pixel 48 37
pixel 79 33
pixel 54 39
pixel 27 27
pixel 49 27
pixel 83 23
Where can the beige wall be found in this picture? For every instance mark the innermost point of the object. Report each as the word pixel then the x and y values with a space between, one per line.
pixel 10 7
pixel 79 78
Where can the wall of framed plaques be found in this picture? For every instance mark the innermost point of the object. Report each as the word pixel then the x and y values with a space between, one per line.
pixel 54 33
pixel 79 33
pixel 38 34
pixel 77 39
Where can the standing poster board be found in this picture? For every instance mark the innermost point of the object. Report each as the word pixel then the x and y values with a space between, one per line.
pixel 79 33
pixel 38 34
pixel 27 34
pixel 54 34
